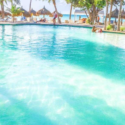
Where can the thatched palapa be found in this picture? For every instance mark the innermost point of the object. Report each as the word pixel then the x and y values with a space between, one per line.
pixel 33 12
pixel 59 14
pixel 25 13
pixel 5 13
pixel 115 14
pixel 44 11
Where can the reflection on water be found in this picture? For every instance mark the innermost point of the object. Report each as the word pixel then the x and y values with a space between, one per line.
pixel 61 76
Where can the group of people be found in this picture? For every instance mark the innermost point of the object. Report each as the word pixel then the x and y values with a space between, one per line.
pixel 42 20
pixel 96 30
pixel 54 18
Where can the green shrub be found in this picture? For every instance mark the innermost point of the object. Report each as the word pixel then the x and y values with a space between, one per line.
pixel 109 27
pixel 122 28
pixel 88 20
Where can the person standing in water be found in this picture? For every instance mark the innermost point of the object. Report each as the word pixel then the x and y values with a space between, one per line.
pixel 96 30
pixel 54 17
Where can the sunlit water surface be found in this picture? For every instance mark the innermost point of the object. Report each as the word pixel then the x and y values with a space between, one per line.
pixel 61 76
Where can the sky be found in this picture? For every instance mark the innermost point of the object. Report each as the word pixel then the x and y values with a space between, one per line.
pixel 62 6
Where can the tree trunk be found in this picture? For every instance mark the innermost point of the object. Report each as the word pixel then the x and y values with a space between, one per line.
pixel 13 19
pixel 121 21
pixel 11 3
pixel 119 16
pixel 86 14
pixel 106 14
pixel 96 15
pixel 2 9
pixel 110 11
pixel 70 12
pixel 93 14
pixel 30 5
pixel 54 3
pixel 90 15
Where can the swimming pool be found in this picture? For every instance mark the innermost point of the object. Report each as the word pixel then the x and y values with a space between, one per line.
pixel 61 76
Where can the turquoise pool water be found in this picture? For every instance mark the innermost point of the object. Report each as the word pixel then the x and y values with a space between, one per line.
pixel 61 76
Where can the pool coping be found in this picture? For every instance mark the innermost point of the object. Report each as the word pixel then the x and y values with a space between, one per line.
pixel 63 24
pixel 114 32
pixel 50 24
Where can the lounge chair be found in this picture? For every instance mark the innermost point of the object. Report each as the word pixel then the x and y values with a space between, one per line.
pixel 15 19
pixel 4 20
pixel 66 21
pixel 96 23
pixel 83 20
pixel 70 21
pixel 28 19
pixel 79 22
pixel 51 20
pixel 34 19
pixel 23 19
pixel 42 20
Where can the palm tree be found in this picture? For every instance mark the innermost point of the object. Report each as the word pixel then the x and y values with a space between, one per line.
pixel 2 5
pixel 70 12
pixel 2 8
pixel 54 3
pixel 115 3
pixel 15 11
pixel 70 1
pixel 106 14
pixel 111 4
pixel 30 5
pixel 16 1
pixel 73 4
pixel 119 16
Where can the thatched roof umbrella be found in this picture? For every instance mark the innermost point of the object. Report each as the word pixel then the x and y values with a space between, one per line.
pixel 33 12
pixel 5 13
pixel 59 14
pixel 123 14
pixel 114 13
pixel 20 14
pixel 44 11
pixel 25 13
pixel 123 11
